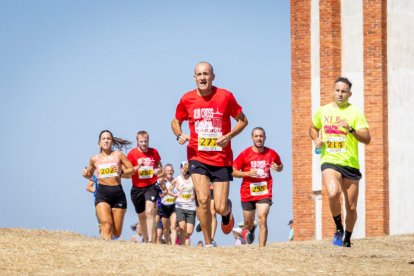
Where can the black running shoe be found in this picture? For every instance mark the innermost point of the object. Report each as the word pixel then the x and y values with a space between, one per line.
pixel 198 228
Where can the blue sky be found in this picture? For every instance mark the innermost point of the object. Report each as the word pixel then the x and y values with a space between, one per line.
pixel 72 68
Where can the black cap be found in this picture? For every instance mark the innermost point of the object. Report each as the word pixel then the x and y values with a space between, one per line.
pixel 290 222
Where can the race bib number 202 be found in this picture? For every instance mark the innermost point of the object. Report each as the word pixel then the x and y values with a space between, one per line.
pixel 108 170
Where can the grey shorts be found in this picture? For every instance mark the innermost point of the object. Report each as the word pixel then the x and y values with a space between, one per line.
pixel 251 205
pixel 185 215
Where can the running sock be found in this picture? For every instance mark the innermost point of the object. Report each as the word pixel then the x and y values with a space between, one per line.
pixel 338 222
pixel 225 219
pixel 347 238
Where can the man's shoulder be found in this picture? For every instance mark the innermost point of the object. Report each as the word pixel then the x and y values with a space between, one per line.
pixel 247 151
pixel 222 92
pixel 132 152
pixel 269 150
pixel 327 106
pixel 354 108
pixel 189 94
pixel 152 150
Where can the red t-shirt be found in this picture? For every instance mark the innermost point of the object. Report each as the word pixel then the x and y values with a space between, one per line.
pixel 260 187
pixel 145 176
pixel 208 118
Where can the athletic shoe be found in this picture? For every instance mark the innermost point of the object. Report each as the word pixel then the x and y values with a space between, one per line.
pixel 213 242
pixel 346 244
pixel 337 240
pixel 227 222
pixel 250 235
pixel 198 228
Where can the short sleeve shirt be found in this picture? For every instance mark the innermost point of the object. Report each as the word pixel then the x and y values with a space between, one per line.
pixel 209 119
pixel 260 187
pixel 341 147
pixel 149 161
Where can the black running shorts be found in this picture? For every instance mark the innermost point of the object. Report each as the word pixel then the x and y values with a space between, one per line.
pixel 113 195
pixel 214 173
pixel 140 195
pixel 346 172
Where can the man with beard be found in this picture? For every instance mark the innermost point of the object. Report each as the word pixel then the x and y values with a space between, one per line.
pixel 253 165
pixel 336 129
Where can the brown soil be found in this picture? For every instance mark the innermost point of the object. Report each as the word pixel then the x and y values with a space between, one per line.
pixel 24 251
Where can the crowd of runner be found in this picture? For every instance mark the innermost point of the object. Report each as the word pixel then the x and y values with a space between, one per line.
pixel 167 207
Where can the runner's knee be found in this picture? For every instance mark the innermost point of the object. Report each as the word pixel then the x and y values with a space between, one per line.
pixel 203 201
pixel 222 209
pixel 106 227
pixel 262 219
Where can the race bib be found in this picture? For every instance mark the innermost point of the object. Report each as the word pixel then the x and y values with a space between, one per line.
pixel 108 170
pixel 145 172
pixel 207 141
pixel 257 189
pixel 335 144
pixel 170 199
pixel 186 196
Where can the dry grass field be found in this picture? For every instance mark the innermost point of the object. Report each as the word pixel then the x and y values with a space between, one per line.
pixel 24 251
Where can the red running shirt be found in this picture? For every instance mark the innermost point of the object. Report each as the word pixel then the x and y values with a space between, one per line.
pixel 260 187
pixel 208 118
pixel 149 161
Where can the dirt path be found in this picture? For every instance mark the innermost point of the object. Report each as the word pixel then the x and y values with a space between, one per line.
pixel 46 252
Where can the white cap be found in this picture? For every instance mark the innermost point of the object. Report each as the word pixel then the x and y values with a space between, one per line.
pixel 183 163
pixel 237 230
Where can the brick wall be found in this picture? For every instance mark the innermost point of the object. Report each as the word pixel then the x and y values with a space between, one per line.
pixel 375 108
pixel 304 216
pixel 376 111
pixel 330 62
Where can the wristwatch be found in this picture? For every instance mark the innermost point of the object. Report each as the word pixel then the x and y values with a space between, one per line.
pixel 178 136
pixel 351 130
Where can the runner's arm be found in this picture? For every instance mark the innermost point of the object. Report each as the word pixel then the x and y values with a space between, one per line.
pixel 240 174
pixel 238 128
pixel 87 172
pixel 314 134
pixel 172 186
pixel 90 187
pixel 362 135
pixel 159 171
pixel 178 132
pixel 129 169
pixel 277 167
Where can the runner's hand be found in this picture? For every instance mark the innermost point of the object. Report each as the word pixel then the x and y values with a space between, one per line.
pixel 223 141
pixel 183 138
pixel 318 142
pixel 344 124
pixel 85 172
pixel 277 167
pixel 251 173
